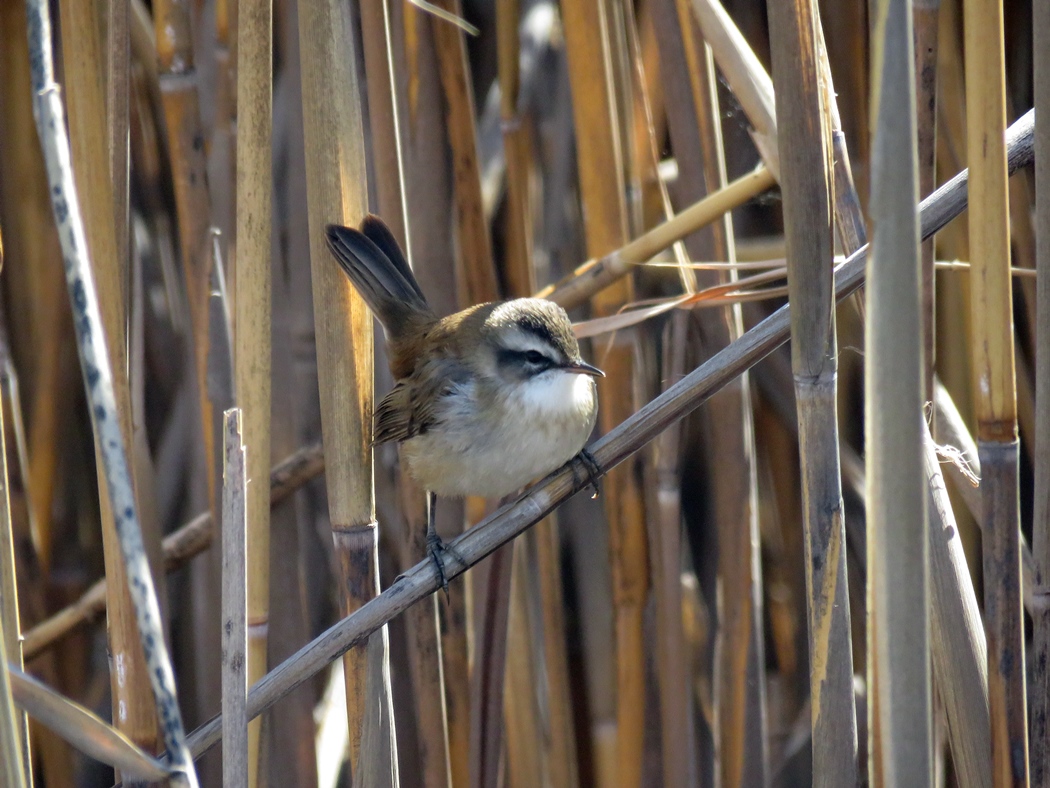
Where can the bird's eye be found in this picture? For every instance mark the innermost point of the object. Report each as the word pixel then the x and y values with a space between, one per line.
pixel 535 357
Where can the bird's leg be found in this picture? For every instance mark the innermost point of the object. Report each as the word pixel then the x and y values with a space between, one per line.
pixel 436 548
pixel 593 470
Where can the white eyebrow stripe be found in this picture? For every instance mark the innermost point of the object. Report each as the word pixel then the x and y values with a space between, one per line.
pixel 523 341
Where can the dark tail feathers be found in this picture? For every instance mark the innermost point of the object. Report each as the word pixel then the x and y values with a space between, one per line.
pixel 374 262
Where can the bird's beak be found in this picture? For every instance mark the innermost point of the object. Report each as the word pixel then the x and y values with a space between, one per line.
pixel 583 368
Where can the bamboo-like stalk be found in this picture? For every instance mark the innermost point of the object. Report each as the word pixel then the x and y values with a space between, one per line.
pixel 600 156
pixel 98 380
pixel 899 707
pixel 994 387
pixel 1040 731
pixel 252 323
pixel 336 191
pixel 90 144
pixel 805 175
pixel 235 752
pixel 514 518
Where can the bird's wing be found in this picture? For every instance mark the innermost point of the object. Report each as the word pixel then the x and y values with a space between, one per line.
pixel 415 404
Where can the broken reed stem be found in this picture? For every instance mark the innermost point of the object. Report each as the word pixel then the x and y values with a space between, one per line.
pixel 957 640
pixel 994 386
pixel 900 705
pixel 1040 744
pixel 251 326
pixel 98 380
pixel 805 176
pixel 179 547
pixel 515 518
pixel 596 274
pixel 337 192
pixel 235 752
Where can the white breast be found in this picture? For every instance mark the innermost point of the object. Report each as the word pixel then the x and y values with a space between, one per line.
pixel 539 426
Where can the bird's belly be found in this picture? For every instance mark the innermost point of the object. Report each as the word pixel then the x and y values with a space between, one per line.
pixel 451 461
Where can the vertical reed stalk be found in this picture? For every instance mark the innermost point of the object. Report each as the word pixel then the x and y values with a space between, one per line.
pixel 90 147
pixel 477 275
pixel 177 75
pixel 1040 755
pixel 99 383
pixel 336 191
pixel 926 15
pixel 11 761
pixel 899 704
pixel 600 161
pixel 994 386
pixel 805 171
pixel 235 769
pixel 252 330
pixel 14 731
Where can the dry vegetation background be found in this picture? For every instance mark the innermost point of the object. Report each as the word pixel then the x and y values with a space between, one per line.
pixel 778 589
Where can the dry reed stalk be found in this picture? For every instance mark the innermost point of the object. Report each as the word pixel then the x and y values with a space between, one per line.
pixel 950 430
pixel 926 25
pixel 994 387
pixel 740 691
pixel 1040 757
pixel 177 77
pixel 90 147
pixel 35 282
pixel 336 189
pixel 14 730
pixel 99 382
pixel 81 728
pixel 746 77
pixel 600 272
pixel 956 635
pixel 386 108
pixel 899 705
pixel 178 548
pixel 11 722
pixel 515 518
pixel 252 322
pixel 1040 731
pixel 677 730
pixel 222 142
pixel 477 276
pixel 235 622
pixel 600 161
pixel 526 756
pixel 118 85
pixel 806 179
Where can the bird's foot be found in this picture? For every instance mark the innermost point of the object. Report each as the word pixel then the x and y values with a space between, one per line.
pixel 592 471
pixel 436 550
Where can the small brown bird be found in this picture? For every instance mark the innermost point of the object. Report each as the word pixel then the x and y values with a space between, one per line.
pixel 485 400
